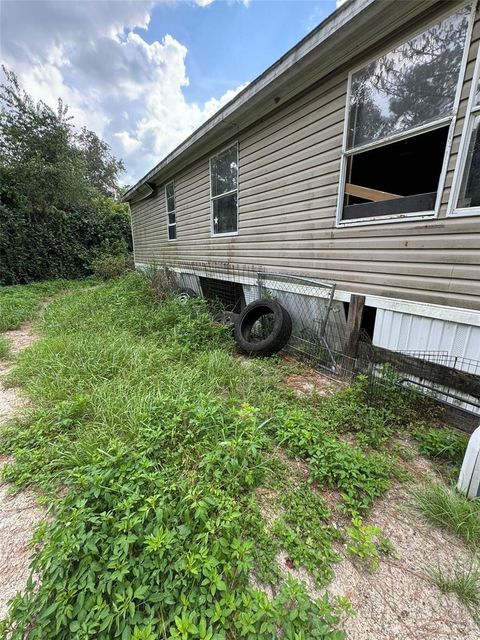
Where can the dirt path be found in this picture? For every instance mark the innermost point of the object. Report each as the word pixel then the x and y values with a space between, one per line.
pixel 19 513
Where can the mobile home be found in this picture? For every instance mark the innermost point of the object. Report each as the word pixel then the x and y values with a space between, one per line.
pixel 354 159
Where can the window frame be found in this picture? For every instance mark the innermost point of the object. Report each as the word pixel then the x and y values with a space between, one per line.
pixel 402 135
pixel 472 112
pixel 171 224
pixel 227 193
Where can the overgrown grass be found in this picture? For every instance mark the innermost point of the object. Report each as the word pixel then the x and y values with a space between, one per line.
pixel 161 435
pixel 447 508
pixel 18 303
pixel 4 348
pixel 463 580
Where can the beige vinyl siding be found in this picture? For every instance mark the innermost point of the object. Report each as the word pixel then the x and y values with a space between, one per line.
pixel 289 166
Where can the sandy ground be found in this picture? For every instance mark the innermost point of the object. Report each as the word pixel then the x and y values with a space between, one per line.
pixel 19 513
pixel 398 601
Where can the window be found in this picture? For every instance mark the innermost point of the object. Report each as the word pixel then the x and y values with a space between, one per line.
pixel 171 216
pixel 400 111
pixel 466 191
pixel 223 185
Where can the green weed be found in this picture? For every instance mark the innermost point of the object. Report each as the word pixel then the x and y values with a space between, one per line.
pixel 19 303
pixel 440 443
pixel 464 581
pixel 447 508
pixel 359 476
pixel 4 348
pixel 160 435
pixel 367 543
pixel 305 532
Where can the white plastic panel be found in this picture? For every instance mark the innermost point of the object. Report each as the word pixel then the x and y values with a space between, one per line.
pixel 405 332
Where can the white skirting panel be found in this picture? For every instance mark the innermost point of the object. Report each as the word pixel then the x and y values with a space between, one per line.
pixel 405 332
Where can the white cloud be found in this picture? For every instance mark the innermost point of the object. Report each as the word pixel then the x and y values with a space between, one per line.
pixel 127 90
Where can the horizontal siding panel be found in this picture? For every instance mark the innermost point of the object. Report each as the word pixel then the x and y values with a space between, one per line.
pixel 289 166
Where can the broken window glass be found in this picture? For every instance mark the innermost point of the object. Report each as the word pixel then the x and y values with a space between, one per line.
pixel 396 178
pixel 224 181
pixel 224 171
pixel 412 85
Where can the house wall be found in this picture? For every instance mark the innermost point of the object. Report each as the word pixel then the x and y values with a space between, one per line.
pixel 289 166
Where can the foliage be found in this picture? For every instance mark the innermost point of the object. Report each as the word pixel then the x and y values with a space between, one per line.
pixel 19 303
pixel 463 579
pixel 449 509
pixel 305 532
pixel 360 477
pixel 4 348
pixel 109 266
pixel 367 543
pixel 440 442
pixel 57 212
pixel 161 438
pixel 147 418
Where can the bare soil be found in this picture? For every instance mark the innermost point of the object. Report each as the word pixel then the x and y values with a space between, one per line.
pixel 19 512
pixel 398 601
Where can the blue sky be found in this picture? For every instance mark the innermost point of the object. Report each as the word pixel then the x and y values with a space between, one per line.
pixel 230 43
pixel 144 74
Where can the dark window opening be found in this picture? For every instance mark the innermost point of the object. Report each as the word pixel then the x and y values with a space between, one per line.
pixel 229 294
pixel 369 316
pixel 396 178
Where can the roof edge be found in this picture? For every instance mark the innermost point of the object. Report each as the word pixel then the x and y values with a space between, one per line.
pixel 336 20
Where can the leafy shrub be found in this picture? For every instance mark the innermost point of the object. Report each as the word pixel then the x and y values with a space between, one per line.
pixel 111 266
pixel 360 477
pixel 56 188
pixel 440 442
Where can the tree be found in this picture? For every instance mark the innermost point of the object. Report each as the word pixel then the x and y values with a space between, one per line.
pixel 102 168
pixel 56 213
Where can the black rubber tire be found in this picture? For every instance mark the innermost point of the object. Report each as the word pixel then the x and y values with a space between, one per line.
pixel 185 294
pixel 278 336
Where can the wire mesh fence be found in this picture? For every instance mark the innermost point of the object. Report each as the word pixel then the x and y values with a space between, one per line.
pixel 309 303
pixel 319 332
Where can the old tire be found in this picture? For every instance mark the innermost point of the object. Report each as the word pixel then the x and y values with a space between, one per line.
pixel 279 330
pixel 185 294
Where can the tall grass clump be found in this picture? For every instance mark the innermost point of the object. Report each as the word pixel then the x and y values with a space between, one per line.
pixel 447 508
pixel 4 348
pixel 19 303
pixel 157 433
pixel 463 579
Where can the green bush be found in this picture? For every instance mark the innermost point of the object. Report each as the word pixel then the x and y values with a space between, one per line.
pixel 440 442
pixel 43 245
pixel 57 189
pixel 111 266
pixel 359 477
